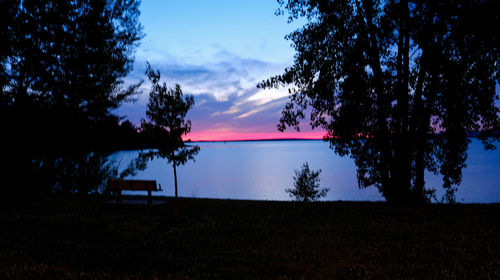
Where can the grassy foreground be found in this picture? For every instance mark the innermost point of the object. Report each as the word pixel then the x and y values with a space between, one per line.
pixel 71 237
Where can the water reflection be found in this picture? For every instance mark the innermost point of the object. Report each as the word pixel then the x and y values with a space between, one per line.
pixel 263 169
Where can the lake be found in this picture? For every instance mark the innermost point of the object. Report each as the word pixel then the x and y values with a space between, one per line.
pixel 262 170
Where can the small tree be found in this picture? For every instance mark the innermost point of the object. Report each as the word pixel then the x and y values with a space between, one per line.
pixel 166 113
pixel 306 186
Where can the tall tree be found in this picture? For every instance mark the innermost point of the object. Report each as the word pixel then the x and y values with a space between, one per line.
pixel 166 114
pixel 397 85
pixel 63 77
pixel 8 11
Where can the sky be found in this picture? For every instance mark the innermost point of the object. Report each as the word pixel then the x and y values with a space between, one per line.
pixel 218 51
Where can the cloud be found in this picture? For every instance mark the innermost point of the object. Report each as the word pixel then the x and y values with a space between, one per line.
pixel 221 75
pixel 224 87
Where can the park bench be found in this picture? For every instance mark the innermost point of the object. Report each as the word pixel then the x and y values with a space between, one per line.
pixel 133 185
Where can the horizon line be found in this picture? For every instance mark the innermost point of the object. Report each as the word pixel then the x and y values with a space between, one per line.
pixel 258 139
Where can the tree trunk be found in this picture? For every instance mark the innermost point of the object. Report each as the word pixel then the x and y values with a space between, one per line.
pixel 383 134
pixel 175 178
pixel 421 123
pixel 405 149
pixel 421 118
pixel 400 171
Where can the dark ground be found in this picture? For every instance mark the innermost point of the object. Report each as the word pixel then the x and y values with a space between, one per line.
pixel 75 237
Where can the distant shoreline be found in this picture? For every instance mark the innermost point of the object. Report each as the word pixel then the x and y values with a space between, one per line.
pixel 470 135
pixel 257 140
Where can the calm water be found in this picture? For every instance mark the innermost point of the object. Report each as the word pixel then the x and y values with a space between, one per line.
pixel 262 170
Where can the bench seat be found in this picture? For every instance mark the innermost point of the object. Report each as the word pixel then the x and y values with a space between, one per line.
pixel 118 185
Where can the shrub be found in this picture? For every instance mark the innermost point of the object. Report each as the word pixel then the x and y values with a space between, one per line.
pixel 306 186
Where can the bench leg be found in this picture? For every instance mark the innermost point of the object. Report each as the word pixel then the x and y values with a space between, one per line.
pixel 150 200
pixel 119 198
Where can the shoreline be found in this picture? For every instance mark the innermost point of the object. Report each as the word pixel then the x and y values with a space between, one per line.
pixel 139 197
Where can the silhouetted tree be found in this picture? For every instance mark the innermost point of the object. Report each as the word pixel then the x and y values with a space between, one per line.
pixel 397 85
pixel 306 185
pixel 117 135
pixel 8 11
pixel 166 113
pixel 62 73
pixel 85 173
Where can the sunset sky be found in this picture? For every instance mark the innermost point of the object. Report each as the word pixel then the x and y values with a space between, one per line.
pixel 218 51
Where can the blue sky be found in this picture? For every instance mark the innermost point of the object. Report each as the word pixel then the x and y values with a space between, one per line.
pixel 217 51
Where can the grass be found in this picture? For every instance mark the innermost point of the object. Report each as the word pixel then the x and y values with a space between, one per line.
pixel 77 237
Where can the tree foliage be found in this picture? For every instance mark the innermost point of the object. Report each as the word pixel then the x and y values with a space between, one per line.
pixel 306 185
pixel 166 123
pixel 62 71
pixel 397 85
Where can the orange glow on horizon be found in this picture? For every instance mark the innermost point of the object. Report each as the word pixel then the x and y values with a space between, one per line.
pixel 223 135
